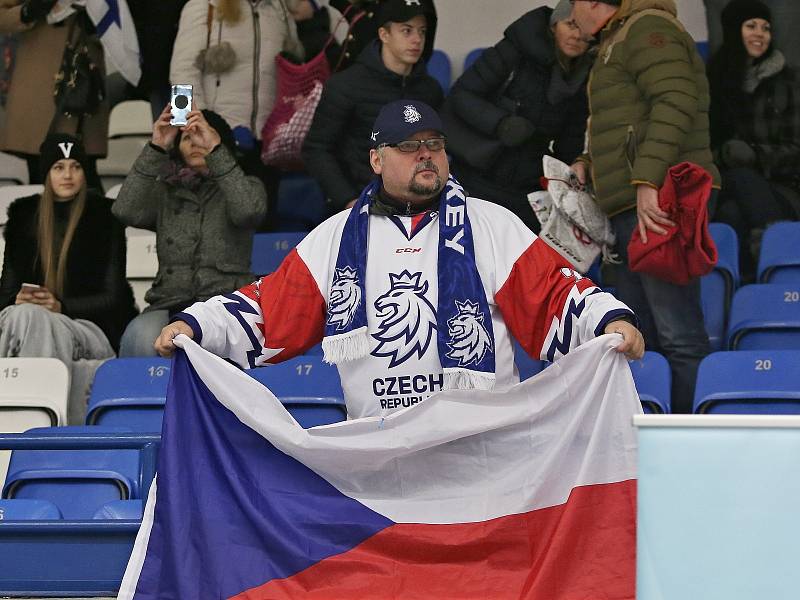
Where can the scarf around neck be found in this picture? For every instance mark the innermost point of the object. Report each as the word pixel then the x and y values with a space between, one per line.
pixel 465 336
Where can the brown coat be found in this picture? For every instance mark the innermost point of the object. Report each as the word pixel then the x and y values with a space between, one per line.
pixel 30 107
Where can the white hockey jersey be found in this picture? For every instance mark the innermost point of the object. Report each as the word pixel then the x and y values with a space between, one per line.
pixel 533 295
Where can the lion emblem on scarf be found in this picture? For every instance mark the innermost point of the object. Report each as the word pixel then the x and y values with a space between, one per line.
pixel 469 340
pixel 345 298
pixel 407 319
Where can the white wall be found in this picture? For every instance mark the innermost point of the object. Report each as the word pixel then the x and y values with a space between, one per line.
pixel 467 24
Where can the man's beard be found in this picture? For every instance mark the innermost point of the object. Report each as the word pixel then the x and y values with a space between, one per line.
pixel 422 190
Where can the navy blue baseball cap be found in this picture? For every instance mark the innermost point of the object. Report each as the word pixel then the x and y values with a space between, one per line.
pixel 399 120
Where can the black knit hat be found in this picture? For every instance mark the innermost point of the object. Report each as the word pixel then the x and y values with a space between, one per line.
pixel 58 146
pixel 737 12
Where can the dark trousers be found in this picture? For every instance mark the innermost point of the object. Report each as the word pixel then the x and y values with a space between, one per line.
pixel 748 202
pixel 670 316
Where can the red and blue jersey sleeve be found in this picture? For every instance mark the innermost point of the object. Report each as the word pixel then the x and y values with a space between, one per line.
pixel 270 320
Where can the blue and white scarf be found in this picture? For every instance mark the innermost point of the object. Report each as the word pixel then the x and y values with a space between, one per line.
pixel 465 336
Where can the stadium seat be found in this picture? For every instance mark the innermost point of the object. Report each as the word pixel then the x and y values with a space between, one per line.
pixel 142 259
pixel 439 68
pixel 269 250
pixel 717 288
pixel 130 118
pixel 130 510
pixel 28 510
pixel 13 170
pixel 9 193
pixel 309 388
pixel 653 380
pixel 472 56
pixel 527 366
pixel 122 153
pixel 129 392
pixel 779 259
pixel 113 191
pixel 301 203
pixel 749 382
pixel 78 482
pixel 33 392
pixel 765 316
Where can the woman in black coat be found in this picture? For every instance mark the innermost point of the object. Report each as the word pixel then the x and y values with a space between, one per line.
pixel 63 292
pixel 521 96
pixel 755 128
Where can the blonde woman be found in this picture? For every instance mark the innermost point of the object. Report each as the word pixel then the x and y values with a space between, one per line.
pixel 63 291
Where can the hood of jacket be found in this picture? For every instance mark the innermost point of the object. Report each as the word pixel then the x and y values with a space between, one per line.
pixel 531 34
pixel 370 57
pixel 629 7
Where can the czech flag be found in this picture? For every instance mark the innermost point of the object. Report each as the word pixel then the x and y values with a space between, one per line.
pixel 523 493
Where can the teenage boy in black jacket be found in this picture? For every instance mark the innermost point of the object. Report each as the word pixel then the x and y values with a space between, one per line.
pixel 390 68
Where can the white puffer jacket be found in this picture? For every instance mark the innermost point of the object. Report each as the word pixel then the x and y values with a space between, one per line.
pixel 245 94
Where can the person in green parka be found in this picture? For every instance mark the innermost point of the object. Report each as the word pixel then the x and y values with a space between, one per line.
pixel 648 101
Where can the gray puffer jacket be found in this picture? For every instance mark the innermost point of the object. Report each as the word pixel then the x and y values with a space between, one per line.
pixel 204 236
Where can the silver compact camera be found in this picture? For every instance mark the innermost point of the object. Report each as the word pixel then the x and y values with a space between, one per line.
pixel 180 103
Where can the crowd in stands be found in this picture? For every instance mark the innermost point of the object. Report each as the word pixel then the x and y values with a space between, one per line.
pixel 205 192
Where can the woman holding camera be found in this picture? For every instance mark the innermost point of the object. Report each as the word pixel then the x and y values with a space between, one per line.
pixel 755 128
pixel 187 187
pixel 63 291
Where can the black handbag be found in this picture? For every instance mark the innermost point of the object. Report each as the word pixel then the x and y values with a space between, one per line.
pixel 79 86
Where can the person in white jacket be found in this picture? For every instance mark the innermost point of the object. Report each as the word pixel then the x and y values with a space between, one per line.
pixel 226 50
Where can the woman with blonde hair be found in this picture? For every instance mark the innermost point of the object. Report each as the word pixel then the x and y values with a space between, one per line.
pixel 63 291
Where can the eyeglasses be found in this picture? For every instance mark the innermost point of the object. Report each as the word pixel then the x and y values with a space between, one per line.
pixel 433 144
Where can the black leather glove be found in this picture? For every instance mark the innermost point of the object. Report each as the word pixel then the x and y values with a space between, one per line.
pixel 35 10
pixel 736 153
pixel 514 130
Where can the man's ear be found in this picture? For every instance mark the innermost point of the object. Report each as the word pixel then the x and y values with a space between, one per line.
pixel 375 162
pixel 383 32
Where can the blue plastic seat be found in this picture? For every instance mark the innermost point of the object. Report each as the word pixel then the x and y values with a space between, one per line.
pixel 779 259
pixel 128 510
pixel 439 68
pixel 653 380
pixel 129 392
pixel 749 382
pixel 472 56
pixel 301 203
pixel 309 389
pixel 28 510
pixel 527 366
pixel 717 287
pixel 76 481
pixel 269 250
pixel 765 316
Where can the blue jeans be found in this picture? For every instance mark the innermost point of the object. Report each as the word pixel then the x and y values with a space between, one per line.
pixel 142 332
pixel 670 316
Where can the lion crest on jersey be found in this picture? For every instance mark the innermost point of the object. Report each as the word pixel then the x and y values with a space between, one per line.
pixel 407 319
pixel 344 298
pixel 469 340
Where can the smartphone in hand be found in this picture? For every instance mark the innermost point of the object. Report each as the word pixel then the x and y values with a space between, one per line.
pixel 180 104
pixel 29 288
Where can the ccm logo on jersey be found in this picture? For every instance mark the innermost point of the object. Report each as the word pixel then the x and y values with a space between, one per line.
pixel 407 250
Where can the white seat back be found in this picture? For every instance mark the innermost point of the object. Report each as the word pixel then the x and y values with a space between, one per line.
pixel 9 193
pixel 33 393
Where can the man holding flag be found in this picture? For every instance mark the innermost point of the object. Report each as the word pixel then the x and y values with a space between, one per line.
pixel 483 490
pixel 416 289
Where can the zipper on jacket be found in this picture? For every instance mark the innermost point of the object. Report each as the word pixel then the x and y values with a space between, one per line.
pixel 256 74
